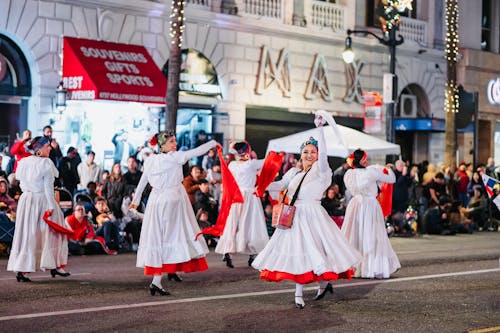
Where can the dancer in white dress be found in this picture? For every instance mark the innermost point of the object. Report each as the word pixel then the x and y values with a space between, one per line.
pixel 167 242
pixel 313 249
pixel 364 224
pixel 245 230
pixel 35 244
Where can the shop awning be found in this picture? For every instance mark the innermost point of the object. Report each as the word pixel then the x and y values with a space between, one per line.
pixel 111 71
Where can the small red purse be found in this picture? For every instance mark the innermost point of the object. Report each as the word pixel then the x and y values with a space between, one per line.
pixel 282 213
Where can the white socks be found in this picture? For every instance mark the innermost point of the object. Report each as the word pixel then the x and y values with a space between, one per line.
pixel 157 280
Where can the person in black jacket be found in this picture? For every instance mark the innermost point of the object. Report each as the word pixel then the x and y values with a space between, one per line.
pixel 68 170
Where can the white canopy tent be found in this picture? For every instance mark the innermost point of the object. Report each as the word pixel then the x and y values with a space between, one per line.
pixel 349 138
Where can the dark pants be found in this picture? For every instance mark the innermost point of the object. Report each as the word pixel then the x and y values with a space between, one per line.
pixel 133 228
pixel 78 248
pixel 109 231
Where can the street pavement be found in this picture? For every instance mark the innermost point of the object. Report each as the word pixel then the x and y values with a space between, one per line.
pixel 446 284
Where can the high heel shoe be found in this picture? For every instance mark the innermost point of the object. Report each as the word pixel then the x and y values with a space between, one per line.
pixel 228 260
pixel 20 277
pixel 174 277
pixel 322 294
pixel 153 289
pixel 251 258
pixel 55 272
pixel 299 302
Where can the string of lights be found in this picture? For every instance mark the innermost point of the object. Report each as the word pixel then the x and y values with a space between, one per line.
pixel 177 24
pixel 451 55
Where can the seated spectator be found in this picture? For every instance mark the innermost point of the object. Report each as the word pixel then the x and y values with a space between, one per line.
pixel 268 214
pixel 84 240
pixel 436 219
pixel 435 189
pixel 476 209
pixel 192 182
pixel 132 220
pixel 14 188
pixel 203 222
pixel 332 202
pixel 458 218
pixel 7 227
pixel 106 226
pixel 209 159
pixel 204 201
pixel 5 197
pixel 214 178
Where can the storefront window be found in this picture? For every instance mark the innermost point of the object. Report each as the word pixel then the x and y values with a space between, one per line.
pixel 113 130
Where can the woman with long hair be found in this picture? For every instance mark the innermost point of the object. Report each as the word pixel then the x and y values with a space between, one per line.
pixel 313 249
pixel 167 243
pixel 36 244
pixel 115 189
pixel 364 224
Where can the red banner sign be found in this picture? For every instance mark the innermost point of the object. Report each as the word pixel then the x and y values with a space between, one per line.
pixel 111 71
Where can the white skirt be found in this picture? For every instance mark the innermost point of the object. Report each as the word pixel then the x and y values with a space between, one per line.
pixel 313 246
pixel 364 227
pixel 35 244
pixel 168 230
pixel 245 230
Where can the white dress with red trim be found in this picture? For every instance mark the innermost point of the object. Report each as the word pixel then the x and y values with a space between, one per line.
pixel 35 244
pixel 364 224
pixel 167 243
pixel 314 248
pixel 245 230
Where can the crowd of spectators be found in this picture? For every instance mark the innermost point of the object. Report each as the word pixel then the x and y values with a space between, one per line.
pixel 447 200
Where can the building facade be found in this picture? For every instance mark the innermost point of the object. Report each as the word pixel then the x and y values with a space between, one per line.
pixel 275 62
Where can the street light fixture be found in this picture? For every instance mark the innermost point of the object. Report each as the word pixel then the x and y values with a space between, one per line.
pixel 391 40
pixel 61 95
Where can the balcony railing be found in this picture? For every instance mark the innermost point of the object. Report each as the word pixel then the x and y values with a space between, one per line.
pixel 201 3
pixel 262 8
pixel 325 14
pixel 414 30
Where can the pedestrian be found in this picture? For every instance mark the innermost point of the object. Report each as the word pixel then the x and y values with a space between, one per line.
pixel 313 249
pixel 35 244
pixel 88 171
pixel 169 227
pixel 364 224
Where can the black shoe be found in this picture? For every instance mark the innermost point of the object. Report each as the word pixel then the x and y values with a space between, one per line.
pixel 321 295
pixel 153 289
pixel 174 277
pixel 20 277
pixel 251 258
pixel 55 272
pixel 299 302
pixel 228 260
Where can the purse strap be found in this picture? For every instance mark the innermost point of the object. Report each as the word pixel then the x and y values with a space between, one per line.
pixel 296 194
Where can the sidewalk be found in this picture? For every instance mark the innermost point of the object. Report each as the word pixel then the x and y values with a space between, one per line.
pixel 421 249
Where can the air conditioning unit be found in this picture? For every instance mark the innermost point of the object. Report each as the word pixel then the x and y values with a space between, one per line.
pixel 408 106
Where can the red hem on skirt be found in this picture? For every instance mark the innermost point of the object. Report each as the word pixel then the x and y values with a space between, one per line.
pixel 194 265
pixel 309 277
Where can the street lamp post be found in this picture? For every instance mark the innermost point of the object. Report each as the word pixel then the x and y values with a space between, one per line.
pixel 391 40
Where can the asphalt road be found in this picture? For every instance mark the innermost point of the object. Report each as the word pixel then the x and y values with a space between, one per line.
pixel 446 284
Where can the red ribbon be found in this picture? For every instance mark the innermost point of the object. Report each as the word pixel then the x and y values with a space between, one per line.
pixel 56 227
pixel 230 194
